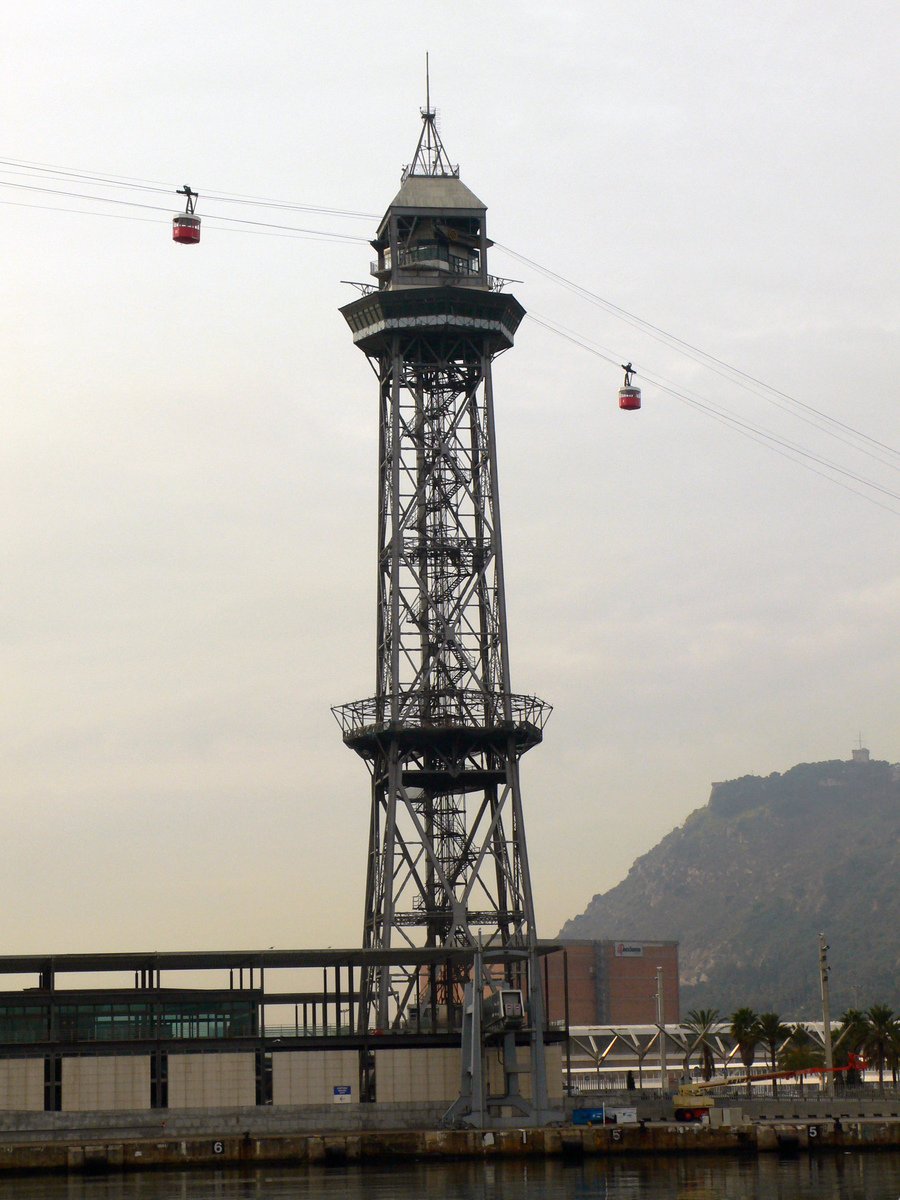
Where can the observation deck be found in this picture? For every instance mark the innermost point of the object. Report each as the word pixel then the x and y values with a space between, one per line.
pixel 493 315
pixel 432 719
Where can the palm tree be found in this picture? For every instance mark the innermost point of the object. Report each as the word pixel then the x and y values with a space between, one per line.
pixel 852 1030
pixel 880 1037
pixel 800 1053
pixel 746 1033
pixel 700 1022
pixel 774 1033
pixel 848 1044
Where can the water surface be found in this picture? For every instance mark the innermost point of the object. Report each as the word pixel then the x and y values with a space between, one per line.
pixel 853 1176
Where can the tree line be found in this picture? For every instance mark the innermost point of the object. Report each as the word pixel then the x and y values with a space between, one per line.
pixel 863 1039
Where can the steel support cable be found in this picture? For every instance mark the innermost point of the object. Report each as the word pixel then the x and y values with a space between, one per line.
pixel 735 374
pixel 575 338
pixel 786 449
pixel 727 371
pixel 344 237
pixel 64 174
pixel 718 365
pixel 168 190
pixel 791 450
pixel 298 235
pixel 764 437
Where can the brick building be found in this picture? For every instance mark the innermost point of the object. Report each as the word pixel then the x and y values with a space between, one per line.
pixel 613 982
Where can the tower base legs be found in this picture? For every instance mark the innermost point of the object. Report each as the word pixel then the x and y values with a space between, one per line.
pixel 476 1106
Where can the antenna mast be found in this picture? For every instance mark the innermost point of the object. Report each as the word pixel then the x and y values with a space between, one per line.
pixel 430 157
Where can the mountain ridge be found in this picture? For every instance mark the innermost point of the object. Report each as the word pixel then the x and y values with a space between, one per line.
pixel 747 883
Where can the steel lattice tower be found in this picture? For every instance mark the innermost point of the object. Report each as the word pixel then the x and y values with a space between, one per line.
pixel 443 734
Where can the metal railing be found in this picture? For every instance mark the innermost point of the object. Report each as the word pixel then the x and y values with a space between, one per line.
pixel 460 708
pixel 810 1090
pixel 495 283
pixel 435 253
pixel 317 1030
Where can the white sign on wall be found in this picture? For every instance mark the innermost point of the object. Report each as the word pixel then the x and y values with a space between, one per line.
pixel 622 1116
pixel 629 950
pixel 343 1093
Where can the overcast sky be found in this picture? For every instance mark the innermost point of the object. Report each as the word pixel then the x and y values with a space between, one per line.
pixel 187 520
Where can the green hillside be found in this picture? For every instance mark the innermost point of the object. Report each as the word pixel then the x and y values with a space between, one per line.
pixel 749 881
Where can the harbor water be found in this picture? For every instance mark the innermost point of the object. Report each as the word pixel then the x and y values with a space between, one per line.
pixel 842 1176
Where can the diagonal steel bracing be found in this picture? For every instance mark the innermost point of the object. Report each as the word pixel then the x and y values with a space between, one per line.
pixel 443 734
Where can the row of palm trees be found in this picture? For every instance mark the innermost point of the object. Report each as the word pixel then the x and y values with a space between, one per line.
pixel 872 1036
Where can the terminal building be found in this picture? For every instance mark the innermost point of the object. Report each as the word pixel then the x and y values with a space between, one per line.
pixel 221 1029
pixel 238 1029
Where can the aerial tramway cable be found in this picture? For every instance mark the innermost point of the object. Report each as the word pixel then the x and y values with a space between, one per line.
pixel 45 174
pixel 331 235
pixel 783 446
pixel 719 366
pixel 43 170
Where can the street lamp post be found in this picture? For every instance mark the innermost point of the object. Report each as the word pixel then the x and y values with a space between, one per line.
pixel 660 1020
pixel 824 970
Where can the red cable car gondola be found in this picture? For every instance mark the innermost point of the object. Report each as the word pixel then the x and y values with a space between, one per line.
pixel 185 226
pixel 629 397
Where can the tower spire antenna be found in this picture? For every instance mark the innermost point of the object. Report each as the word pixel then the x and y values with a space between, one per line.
pixel 430 157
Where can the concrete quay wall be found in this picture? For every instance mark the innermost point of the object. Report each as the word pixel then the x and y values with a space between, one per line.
pixel 794 1109
pixel 216 1123
pixel 234 1138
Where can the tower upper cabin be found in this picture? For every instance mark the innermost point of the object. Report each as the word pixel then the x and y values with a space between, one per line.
pixel 432 274
pixel 433 233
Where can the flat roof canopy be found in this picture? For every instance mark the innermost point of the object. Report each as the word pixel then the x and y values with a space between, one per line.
pixel 199 960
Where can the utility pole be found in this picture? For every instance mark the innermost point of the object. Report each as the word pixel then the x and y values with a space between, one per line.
pixel 824 970
pixel 661 1022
